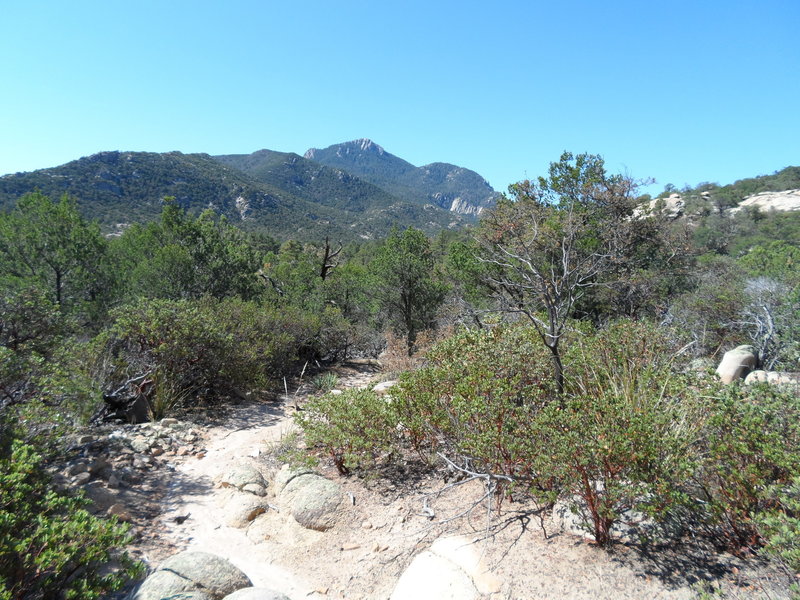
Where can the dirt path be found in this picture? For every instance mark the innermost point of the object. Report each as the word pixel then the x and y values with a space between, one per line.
pixel 384 527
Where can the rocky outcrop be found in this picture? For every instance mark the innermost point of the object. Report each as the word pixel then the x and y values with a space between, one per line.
pixel 671 207
pixel 787 201
pixel 737 363
pixel 110 465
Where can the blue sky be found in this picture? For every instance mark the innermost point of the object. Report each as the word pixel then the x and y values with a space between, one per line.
pixel 682 92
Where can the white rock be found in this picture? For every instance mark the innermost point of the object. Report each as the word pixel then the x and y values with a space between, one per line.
pixel 736 364
pixel 431 577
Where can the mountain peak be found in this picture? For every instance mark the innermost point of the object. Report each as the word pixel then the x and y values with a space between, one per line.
pixel 364 145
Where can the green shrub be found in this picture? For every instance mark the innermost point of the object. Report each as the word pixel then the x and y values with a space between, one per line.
pixel 193 349
pixel 355 428
pixel 780 525
pixel 751 440
pixel 324 382
pixel 50 546
pixel 174 343
pixel 621 440
pixel 477 401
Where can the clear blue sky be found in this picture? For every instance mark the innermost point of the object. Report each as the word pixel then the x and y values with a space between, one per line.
pixel 683 91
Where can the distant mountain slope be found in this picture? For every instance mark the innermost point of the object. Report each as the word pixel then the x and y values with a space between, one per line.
pixel 310 180
pixel 125 187
pixel 454 188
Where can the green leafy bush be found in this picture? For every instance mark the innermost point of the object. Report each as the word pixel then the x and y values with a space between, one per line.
pixel 477 401
pixel 780 525
pixel 621 439
pixel 50 546
pixel 355 428
pixel 185 350
pixel 751 440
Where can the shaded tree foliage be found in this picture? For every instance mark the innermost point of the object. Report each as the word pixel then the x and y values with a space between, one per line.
pixel 406 286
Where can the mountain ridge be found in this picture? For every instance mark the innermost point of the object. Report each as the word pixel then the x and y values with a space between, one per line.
pixel 443 184
pixel 281 194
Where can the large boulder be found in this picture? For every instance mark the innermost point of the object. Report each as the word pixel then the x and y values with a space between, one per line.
pixel 313 501
pixel 193 572
pixel 737 363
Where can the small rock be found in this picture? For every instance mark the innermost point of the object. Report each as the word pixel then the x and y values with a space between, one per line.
pixel 156 451
pixel 98 464
pixel 168 422
pixel 113 481
pixel 139 444
pixel 82 478
pixel 183 451
pixel 120 511
pixel 75 469
pixel 366 525
pixel 383 387
pixel 86 439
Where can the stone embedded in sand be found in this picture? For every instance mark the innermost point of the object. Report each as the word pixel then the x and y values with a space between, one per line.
pixel 285 475
pixel 461 552
pixel 313 501
pixel 432 576
pixel 242 509
pixel 193 571
pixel 243 474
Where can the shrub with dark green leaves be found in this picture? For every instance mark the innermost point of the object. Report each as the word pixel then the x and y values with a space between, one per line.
pixel 621 437
pixel 780 524
pixel 355 428
pixel 751 441
pixel 477 401
pixel 50 546
pixel 191 349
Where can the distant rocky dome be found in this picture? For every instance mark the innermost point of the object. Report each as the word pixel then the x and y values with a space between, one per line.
pixel 360 145
pixel 765 201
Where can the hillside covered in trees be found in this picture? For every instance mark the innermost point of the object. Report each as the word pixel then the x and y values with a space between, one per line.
pixel 279 194
pixel 563 341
